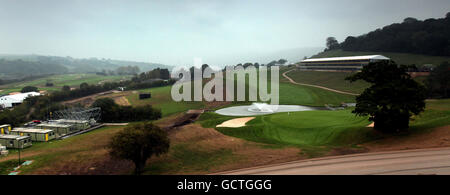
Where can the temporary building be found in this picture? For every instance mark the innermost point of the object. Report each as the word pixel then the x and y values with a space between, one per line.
pixel 39 135
pixel 59 129
pixel 76 124
pixel 15 141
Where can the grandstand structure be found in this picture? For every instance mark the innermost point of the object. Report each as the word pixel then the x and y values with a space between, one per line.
pixel 351 63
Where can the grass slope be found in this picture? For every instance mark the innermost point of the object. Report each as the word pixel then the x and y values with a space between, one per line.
pixel 332 80
pixel 72 80
pixel 162 99
pixel 63 155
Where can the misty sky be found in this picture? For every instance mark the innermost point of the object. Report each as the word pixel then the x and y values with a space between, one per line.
pixel 174 32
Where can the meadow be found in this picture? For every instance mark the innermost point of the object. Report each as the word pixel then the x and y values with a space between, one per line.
pixel 162 99
pixel 72 80
pixel 332 80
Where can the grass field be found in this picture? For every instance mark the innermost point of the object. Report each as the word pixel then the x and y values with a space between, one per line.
pixel 289 95
pixel 333 80
pixel 399 58
pixel 72 80
pixel 162 99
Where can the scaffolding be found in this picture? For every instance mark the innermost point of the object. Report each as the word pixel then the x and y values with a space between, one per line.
pixel 79 114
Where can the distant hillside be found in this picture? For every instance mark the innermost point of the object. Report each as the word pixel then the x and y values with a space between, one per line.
pixel 74 65
pixel 9 69
pixel 399 58
pixel 428 37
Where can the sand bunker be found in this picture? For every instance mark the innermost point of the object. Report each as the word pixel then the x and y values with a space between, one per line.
pixel 235 123
pixel 371 125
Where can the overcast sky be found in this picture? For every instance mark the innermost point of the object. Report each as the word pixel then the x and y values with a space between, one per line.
pixel 174 32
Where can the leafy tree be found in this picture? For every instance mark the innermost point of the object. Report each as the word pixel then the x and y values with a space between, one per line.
pixel 112 112
pixel 282 61
pixel 84 85
pixel 66 88
pixel 29 89
pixel 332 43
pixel 410 20
pixel 138 143
pixel 438 82
pixel 392 98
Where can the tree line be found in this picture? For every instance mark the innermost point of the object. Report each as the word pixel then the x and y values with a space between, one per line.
pixel 428 37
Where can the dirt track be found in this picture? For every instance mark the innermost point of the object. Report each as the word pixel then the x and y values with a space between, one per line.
pixel 316 86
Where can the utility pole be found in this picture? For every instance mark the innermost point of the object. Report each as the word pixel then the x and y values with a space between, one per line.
pixel 20 146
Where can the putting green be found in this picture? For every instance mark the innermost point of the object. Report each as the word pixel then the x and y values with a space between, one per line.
pixel 308 128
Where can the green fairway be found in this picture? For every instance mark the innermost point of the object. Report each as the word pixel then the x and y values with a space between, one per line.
pixel 291 94
pixel 72 80
pixel 333 80
pixel 162 99
pixel 309 128
pixel 322 128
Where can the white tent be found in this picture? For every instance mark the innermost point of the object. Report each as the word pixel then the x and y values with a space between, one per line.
pixel 11 100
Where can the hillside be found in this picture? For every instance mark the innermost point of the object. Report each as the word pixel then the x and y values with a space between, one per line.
pixel 399 58
pixel 89 65
pixel 10 69
pixel 428 37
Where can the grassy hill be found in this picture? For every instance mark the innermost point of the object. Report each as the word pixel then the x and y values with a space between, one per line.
pixel 399 58
pixel 72 80
pixel 333 80
pixel 161 98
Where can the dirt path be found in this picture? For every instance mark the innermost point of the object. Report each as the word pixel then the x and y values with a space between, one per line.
pixel 316 86
pixel 122 100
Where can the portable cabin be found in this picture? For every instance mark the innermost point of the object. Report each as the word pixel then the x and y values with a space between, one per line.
pixel 4 129
pixel 59 129
pixel 15 141
pixel 77 125
pixel 3 151
pixel 39 135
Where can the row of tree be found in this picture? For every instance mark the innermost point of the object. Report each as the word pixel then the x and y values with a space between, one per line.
pixel 157 73
pixel 122 70
pixel 112 112
pixel 141 81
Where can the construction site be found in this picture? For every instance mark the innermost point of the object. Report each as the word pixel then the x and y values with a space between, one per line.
pixel 60 125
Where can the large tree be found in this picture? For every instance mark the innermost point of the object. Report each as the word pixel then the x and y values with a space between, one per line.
pixel 332 43
pixel 392 98
pixel 138 143
pixel 29 89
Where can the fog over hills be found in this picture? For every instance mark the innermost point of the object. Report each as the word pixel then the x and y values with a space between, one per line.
pixel 291 55
pixel 47 64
